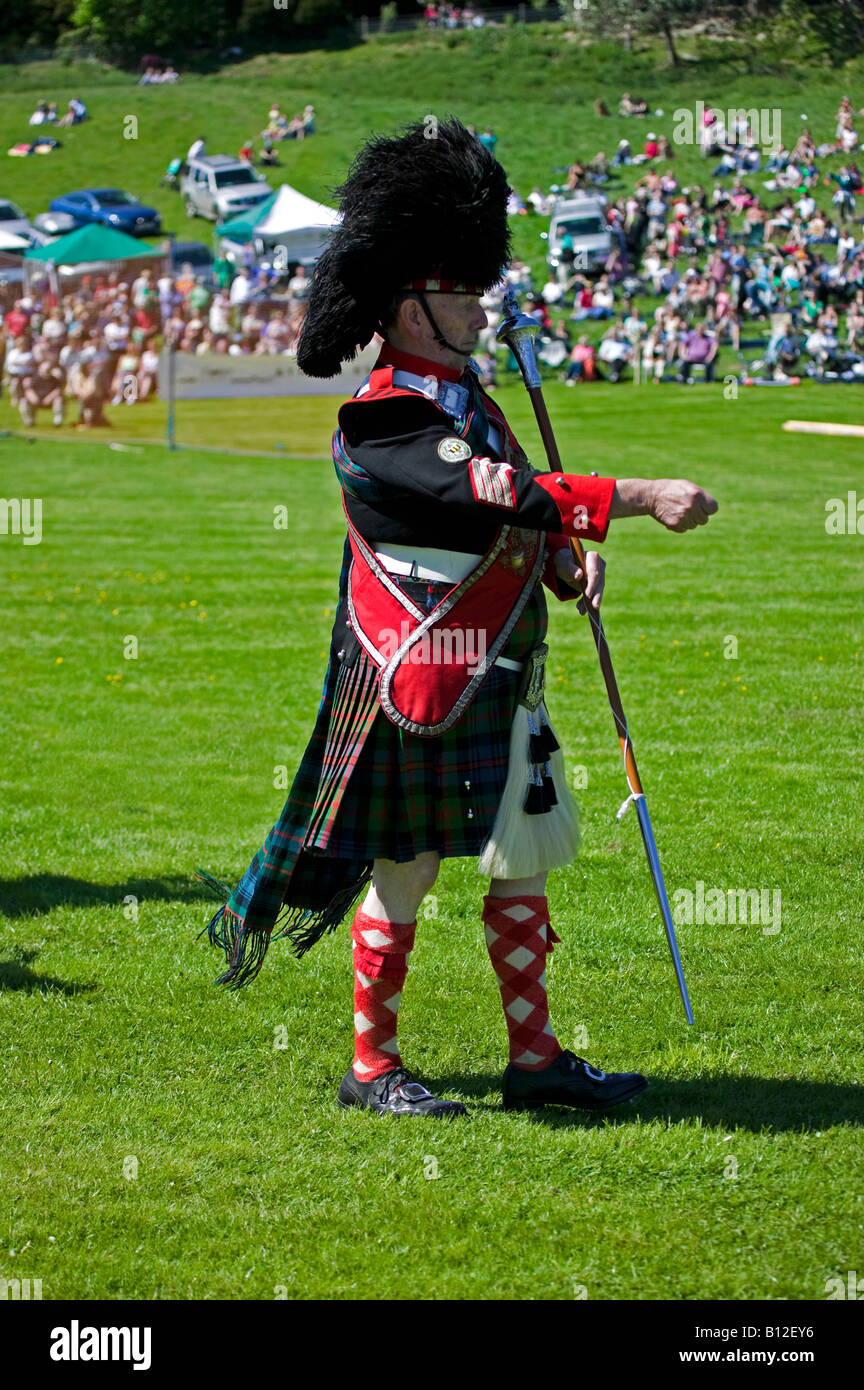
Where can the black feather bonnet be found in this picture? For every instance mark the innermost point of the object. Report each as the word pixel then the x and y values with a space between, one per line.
pixel 424 209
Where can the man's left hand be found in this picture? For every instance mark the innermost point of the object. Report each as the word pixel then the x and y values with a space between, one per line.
pixel 568 571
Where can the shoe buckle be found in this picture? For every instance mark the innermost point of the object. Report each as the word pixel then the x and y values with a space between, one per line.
pixel 593 1072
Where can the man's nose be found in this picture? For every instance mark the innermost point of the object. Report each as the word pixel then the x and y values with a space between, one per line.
pixel 480 318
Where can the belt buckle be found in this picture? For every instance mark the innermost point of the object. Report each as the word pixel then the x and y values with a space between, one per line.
pixel 534 678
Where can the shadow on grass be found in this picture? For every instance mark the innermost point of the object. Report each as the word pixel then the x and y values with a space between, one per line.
pixel 22 897
pixel 16 974
pixel 733 1102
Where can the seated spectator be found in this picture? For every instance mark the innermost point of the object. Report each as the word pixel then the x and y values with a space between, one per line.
pixel 124 386
pixel 698 347
pixel 20 364
pixel 582 365
pixel 539 202
pixel 241 287
pixel 575 176
pixel 653 354
pixel 615 351
pixel 17 320
pixel 784 351
pixel 40 115
pixel 855 328
pixel 43 390
pixel 300 284
pixel 219 317
pixel 821 345
pixel 276 335
pixel 623 154
pixel 632 106
pixel 53 328
pixel 651 148
pixel 89 393
pixel 778 160
pixel 848 141
pixel 726 323
pixel 598 168
pixel 804 149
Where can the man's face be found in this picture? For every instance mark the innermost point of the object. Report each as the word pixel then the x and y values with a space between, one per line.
pixel 460 318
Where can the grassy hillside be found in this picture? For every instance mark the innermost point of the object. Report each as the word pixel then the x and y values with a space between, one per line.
pixel 536 87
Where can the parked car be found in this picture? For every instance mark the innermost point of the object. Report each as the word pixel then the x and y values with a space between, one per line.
pixel 584 219
pixel 219 186
pixel 198 256
pixel 13 220
pixel 112 207
pixel 54 223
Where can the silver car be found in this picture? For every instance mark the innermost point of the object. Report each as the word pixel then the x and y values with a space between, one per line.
pixel 219 187
pixel 13 220
pixel 582 218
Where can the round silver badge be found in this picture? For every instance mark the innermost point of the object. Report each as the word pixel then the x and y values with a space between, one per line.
pixel 454 450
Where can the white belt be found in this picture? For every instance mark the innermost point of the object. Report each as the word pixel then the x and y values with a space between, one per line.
pixel 427 562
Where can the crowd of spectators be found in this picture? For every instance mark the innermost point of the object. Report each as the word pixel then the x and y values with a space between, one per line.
pixel 691 272
pixel 45 113
pixel 452 17
pixel 739 252
pixel 153 76
pixel 99 344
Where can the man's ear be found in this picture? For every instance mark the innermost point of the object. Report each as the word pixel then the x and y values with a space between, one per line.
pixel 411 320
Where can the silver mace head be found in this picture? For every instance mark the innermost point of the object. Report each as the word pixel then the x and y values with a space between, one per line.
pixel 517 330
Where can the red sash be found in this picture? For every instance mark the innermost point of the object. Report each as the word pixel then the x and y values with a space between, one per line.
pixel 433 663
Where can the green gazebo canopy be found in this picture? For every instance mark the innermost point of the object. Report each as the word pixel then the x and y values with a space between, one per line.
pixel 90 244
pixel 241 227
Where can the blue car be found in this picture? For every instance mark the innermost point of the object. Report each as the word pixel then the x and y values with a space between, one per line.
pixel 112 207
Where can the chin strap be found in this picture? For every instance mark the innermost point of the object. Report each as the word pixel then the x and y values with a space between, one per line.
pixel 420 296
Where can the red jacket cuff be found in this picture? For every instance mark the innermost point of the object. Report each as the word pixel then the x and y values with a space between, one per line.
pixel 583 503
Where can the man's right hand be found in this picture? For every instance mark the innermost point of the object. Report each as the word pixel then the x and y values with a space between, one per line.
pixel 679 505
pixel 676 503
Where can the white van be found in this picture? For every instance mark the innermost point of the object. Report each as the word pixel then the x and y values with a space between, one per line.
pixel 219 187
pixel 584 219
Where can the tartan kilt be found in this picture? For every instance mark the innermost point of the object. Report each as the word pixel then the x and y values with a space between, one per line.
pixel 406 794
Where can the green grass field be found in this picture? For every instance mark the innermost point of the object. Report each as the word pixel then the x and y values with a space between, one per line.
pixel 159 1143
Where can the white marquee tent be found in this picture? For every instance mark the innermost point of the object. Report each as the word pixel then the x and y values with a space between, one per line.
pixel 291 220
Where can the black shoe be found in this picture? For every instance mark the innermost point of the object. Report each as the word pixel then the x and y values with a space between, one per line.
pixel 570 1080
pixel 397 1092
